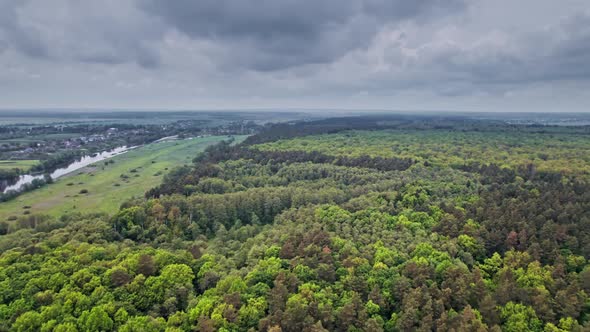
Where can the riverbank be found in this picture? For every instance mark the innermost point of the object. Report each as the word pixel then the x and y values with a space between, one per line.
pixel 84 161
pixel 103 186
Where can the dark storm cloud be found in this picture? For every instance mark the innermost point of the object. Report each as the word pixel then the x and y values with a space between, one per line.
pixel 108 32
pixel 12 33
pixel 276 34
pixel 396 9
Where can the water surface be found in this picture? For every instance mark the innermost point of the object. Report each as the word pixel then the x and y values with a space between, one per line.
pixel 76 165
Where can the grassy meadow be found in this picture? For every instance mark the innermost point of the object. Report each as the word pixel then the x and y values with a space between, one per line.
pixel 103 186
pixel 23 165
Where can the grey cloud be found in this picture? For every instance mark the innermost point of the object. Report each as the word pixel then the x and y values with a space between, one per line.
pixel 559 52
pixel 269 35
pixel 569 56
pixel 418 9
pixel 13 33
pixel 106 32
pixel 227 50
pixel 489 63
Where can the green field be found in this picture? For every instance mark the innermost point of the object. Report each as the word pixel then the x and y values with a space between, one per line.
pixel 23 165
pixel 107 189
pixel 40 138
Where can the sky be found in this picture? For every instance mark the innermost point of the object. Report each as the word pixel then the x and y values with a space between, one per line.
pixel 448 55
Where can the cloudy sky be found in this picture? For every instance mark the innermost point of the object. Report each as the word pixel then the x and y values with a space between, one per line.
pixel 465 55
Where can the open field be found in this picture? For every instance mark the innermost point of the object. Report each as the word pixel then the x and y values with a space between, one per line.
pixel 109 184
pixel 40 138
pixel 20 164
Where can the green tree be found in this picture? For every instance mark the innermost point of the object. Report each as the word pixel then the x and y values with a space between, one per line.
pixel 28 322
pixel 518 317
pixel 96 319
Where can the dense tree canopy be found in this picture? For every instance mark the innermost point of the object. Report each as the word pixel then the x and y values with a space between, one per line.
pixel 482 228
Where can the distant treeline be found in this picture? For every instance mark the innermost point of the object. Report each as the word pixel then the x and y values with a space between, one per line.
pixel 278 131
pixel 176 180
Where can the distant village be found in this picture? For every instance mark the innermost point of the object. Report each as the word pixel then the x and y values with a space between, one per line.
pixel 38 143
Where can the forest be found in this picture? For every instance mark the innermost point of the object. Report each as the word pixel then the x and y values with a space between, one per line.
pixel 370 223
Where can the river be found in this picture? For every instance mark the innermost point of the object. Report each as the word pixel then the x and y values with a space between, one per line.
pixel 83 162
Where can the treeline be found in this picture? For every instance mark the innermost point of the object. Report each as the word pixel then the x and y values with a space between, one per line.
pixel 335 125
pixel 220 153
pixel 58 160
pixel 206 214
pixel 177 180
pixel 9 175
pixel 274 132
pixel 493 173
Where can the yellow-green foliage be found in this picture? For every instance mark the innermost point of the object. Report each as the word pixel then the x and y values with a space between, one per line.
pixel 563 152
